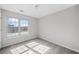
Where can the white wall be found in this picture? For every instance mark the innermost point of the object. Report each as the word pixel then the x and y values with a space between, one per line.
pixel 0 28
pixel 19 38
pixel 61 28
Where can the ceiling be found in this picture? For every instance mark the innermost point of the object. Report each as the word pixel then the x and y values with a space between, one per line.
pixel 37 11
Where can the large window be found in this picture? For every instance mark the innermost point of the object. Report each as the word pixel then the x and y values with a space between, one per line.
pixel 15 25
pixel 23 25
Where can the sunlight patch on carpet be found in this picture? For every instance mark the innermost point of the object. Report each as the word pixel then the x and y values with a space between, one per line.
pixel 41 48
pixel 32 44
pixel 29 52
pixel 19 49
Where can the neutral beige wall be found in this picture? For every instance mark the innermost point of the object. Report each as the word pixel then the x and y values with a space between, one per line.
pixel 18 38
pixel 62 28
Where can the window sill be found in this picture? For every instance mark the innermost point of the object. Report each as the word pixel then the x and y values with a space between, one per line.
pixel 11 35
pixel 24 33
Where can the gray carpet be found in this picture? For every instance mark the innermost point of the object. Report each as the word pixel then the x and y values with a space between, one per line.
pixel 36 46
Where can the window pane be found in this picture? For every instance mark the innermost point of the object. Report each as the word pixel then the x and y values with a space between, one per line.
pixel 23 25
pixel 13 25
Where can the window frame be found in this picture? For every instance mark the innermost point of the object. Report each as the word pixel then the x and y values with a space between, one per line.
pixel 19 29
pixel 24 26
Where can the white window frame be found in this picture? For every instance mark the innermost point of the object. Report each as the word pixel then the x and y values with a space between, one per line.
pixel 19 31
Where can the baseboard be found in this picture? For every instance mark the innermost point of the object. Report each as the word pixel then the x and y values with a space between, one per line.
pixel 61 45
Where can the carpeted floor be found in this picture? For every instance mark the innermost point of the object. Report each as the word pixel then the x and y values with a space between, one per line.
pixel 36 46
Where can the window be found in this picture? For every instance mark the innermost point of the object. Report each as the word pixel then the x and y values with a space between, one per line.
pixel 15 26
pixel 23 25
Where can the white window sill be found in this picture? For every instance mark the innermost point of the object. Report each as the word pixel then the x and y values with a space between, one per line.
pixel 14 35
pixel 24 33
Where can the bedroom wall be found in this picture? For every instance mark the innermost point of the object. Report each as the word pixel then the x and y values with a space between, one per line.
pixel 0 28
pixel 6 41
pixel 61 28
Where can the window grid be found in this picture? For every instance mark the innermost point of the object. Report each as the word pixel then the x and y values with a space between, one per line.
pixel 15 25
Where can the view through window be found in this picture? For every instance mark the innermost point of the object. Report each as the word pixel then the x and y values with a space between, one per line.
pixel 16 25
pixel 13 25
pixel 23 25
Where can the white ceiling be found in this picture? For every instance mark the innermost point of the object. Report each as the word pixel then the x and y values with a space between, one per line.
pixel 41 11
